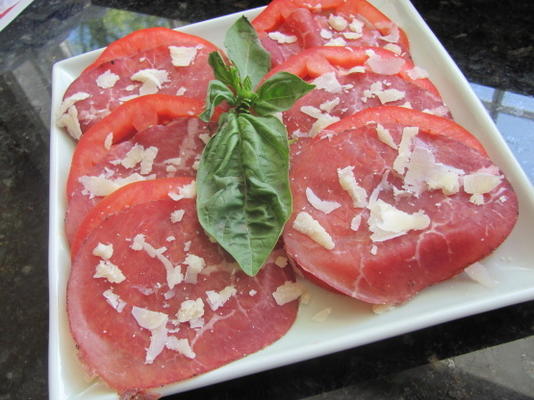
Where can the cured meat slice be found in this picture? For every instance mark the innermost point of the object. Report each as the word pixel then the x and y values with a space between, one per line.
pixel 151 327
pixel 405 215
pixel 169 149
pixel 287 27
pixel 349 80
pixel 172 70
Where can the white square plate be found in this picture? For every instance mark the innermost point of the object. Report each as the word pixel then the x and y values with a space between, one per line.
pixel 351 323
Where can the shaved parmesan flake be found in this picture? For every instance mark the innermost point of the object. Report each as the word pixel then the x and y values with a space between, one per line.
pixel 347 180
pixel 185 192
pixel 71 100
pixel 252 292
pixel 104 251
pixel 440 111
pixel 339 41
pixel 326 34
pixel 387 222
pixel 393 35
pixel 322 119
pixel 479 273
pixel 181 346
pixel 359 69
pixel 355 222
pixel 356 25
pixel 393 48
pixel 195 264
pixel 190 310
pixel 181 91
pixel 481 182
pixel 217 300
pixel 139 155
pixel 114 300
pixel 304 223
pixel 352 35
pixel 382 308
pixel 385 137
pixel 384 65
pixel 182 56
pixel 328 82
pixel 282 38
pixel 374 250
pixel 106 269
pixel 322 205
pixel 151 79
pixel 108 141
pixel 329 105
pixel 70 122
pixel 101 185
pixel 322 315
pixel 107 79
pixel 417 73
pixel 390 95
pixel 177 215
pixel 402 159
pixel 287 293
pixel 281 261
pixel 148 319
pixel 477 199
pixel 337 22
pixel 128 98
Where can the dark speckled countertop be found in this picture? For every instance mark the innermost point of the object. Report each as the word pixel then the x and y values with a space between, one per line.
pixel 487 356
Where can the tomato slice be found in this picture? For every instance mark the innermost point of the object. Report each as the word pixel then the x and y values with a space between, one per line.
pixel 308 21
pixel 144 39
pixel 429 123
pixel 311 63
pixel 124 122
pixel 126 196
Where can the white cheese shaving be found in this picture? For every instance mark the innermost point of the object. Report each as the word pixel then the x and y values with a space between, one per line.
pixel 385 137
pixel 182 346
pixel 337 22
pixel 281 261
pixel 329 105
pixel 152 80
pixel 374 250
pixel 393 36
pixel 124 99
pixel 322 119
pixel 139 155
pixel 304 223
pixel 481 182
pixel 108 141
pixel 387 222
pixel 384 65
pixel 114 300
pixel 287 292
pixel 417 73
pixel 351 35
pixel 107 79
pixel 94 186
pixel 190 310
pixel 217 300
pixel 479 273
pixel 70 122
pixel 104 251
pixel 282 38
pixel 181 91
pixel 440 111
pixel 355 222
pixel 359 69
pixel 401 161
pixel 339 41
pixel 393 48
pixel 325 34
pixel 185 192
pixel 347 180
pixel 182 56
pixel 177 216
pixel 328 82
pixel 106 269
pixel 356 25
pixel 195 264
pixel 322 315
pixel 155 322
pixel 252 292
pixel 322 205
pixel 477 199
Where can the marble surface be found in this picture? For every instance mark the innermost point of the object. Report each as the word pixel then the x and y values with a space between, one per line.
pixel 488 356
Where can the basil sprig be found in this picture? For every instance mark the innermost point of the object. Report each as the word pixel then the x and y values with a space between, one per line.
pixel 243 193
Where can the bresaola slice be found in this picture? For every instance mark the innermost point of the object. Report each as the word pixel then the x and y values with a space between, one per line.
pixel 287 27
pixel 177 69
pixel 136 332
pixel 405 219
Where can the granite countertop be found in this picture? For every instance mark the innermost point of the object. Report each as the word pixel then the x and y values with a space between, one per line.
pixel 487 356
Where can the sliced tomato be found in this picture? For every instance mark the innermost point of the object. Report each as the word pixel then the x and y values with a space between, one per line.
pixel 124 122
pixel 144 39
pixel 313 62
pixel 122 198
pixel 429 123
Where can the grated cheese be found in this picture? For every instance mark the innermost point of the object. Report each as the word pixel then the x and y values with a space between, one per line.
pixel 304 223
pixel 287 292
pixel 347 180
pixel 114 300
pixel 217 300
pixel 151 79
pixel 190 310
pixel 107 79
pixel 401 161
pixel 177 216
pixel 182 56
pixel 195 264
pixel 322 205
pixel 282 38
pixel 106 269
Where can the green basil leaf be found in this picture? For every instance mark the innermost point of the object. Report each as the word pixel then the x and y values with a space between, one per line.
pixel 217 93
pixel 246 52
pixel 243 193
pixel 279 93
pixel 221 71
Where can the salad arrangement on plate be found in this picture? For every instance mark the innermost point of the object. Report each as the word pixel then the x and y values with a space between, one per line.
pixel 202 181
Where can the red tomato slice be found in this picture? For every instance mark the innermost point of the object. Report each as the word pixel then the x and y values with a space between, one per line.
pixel 429 123
pixel 122 198
pixel 311 63
pixel 146 39
pixel 125 121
